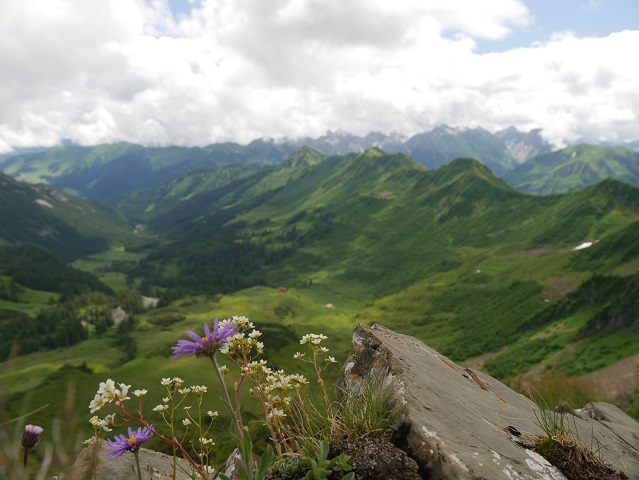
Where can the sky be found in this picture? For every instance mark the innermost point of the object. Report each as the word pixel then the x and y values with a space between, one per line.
pixel 196 72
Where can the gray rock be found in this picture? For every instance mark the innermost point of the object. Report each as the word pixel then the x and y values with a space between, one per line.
pixel 462 424
pixel 153 465
pixel 619 423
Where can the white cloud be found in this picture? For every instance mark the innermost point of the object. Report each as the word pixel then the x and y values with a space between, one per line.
pixel 109 70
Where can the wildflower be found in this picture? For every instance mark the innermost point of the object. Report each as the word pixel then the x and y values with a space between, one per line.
pixel 160 408
pixel 206 441
pixel 207 345
pixel 186 422
pixel 121 394
pixel 96 403
pixel 31 436
pixel 172 383
pixel 330 359
pixel 312 338
pixel 212 414
pixel 275 414
pixel 108 394
pixel 206 469
pixel 139 393
pixel 243 323
pixel 198 389
pixel 99 424
pixel 107 387
pixel 121 444
pixel 255 334
pixel 299 355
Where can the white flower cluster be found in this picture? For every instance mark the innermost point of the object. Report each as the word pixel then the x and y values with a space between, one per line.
pixel 256 368
pixel 160 408
pixel 206 469
pixel 198 390
pixel 275 414
pixel 109 394
pixel 281 382
pixel 243 323
pixel 312 339
pixel 206 441
pixel 104 425
pixel 241 344
pixel 172 384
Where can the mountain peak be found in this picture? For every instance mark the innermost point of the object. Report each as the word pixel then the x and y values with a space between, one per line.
pixel 304 156
pixel 373 152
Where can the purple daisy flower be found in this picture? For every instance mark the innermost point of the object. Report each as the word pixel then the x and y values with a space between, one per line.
pixel 121 444
pixel 207 345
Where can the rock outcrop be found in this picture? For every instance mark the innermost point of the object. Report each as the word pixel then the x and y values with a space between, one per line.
pixel 461 424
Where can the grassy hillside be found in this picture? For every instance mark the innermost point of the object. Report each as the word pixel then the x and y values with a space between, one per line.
pixel 66 225
pixel 365 218
pixel 116 169
pixel 574 168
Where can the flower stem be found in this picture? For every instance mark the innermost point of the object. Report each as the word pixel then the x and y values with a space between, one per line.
pixel 137 463
pixel 227 399
pixel 25 457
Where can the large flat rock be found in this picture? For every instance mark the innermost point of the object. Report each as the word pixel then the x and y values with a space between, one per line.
pixel 462 424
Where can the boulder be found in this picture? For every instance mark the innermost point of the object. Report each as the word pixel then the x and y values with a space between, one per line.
pixel 153 465
pixel 464 424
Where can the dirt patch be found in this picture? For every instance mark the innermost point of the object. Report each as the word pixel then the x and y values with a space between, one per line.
pixel 559 286
pixel 619 380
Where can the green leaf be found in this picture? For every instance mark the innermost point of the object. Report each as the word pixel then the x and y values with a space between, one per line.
pixel 323 449
pixel 265 463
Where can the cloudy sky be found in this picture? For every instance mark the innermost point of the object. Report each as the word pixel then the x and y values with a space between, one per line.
pixel 194 72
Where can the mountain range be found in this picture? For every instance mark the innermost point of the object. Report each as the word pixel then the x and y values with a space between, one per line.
pixel 524 160
pixel 110 170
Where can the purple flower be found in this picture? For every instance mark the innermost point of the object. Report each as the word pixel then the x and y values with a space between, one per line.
pixel 207 345
pixel 31 436
pixel 121 444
